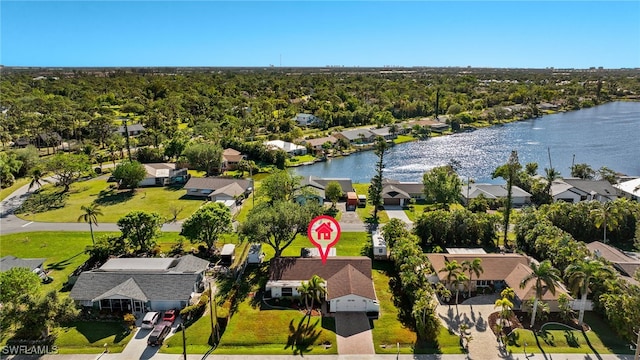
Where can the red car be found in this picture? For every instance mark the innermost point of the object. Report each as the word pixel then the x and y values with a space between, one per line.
pixel 170 316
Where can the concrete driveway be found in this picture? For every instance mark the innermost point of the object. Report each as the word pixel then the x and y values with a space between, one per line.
pixel 353 333
pixel 396 212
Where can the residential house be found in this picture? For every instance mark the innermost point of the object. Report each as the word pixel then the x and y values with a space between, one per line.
pixel 629 189
pixel 289 148
pixel 575 190
pixel 161 174
pixel 306 119
pixel 315 186
pixel 316 144
pixel 385 132
pixel 230 159
pixel 141 284
pixel 499 271
pixel 490 192
pixel 626 263
pixel 35 265
pixel 400 193
pixel 357 136
pixel 133 129
pixel 348 281
pixel 218 188
pixel 49 139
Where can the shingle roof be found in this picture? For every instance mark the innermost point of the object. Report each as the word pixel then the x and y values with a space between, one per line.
pixel 9 262
pixel 492 191
pixel 601 187
pixel 407 187
pixel 529 291
pixel 214 183
pixel 353 135
pixel 393 192
pixel 344 275
pixel 320 141
pixel 627 265
pixel 495 266
pixel 128 289
pixel 321 183
pixel 233 189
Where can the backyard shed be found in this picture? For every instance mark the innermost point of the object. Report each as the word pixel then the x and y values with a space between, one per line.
pixel 227 254
pixel 352 200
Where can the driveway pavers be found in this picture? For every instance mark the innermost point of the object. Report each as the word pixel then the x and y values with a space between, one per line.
pixel 353 333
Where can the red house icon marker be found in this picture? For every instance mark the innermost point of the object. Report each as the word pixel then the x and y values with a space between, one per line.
pixel 324 231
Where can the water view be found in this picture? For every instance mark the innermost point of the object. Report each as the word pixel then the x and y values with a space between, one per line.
pixel 606 135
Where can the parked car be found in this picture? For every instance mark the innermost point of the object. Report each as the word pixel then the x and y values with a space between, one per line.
pixel 150 320
pixel 169 316
pixel 159 333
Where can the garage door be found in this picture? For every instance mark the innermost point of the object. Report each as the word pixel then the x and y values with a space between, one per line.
pixel 390 201
pixel 351 305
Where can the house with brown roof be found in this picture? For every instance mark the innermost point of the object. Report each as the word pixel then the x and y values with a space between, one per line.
pixel 316 144
pixel 500 271
pixel 230 159
pixel 348 281
pixel 626 263
pixel 218 188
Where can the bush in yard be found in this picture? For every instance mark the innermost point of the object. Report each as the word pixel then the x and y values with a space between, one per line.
pixel 129 320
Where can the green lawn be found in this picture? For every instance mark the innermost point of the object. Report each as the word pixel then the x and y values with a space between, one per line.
pixel 389 331
pixel 365 213
pixel 89 337
pixel 403 139
pixel 559 339
pixel 350 244
pixel 298 160
pixel 4 193
pixel 114 204
pixel 197 338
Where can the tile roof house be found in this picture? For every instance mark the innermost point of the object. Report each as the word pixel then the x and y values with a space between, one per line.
pixel 218 188
pixel 348 281
pixel 500 271
pixel 160 174
pixel 231 158
pixel 471 191
pixel 626 263
pixel 141 284
pixel 575 190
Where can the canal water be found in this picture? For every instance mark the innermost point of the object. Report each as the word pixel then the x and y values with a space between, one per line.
pixel 606 135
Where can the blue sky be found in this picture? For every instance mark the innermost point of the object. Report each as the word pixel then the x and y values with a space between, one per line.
pixel 574 34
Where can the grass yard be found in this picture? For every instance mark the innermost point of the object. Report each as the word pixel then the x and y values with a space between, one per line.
pixel 559 339
pixel 4 193
pixel 403 139
pixel 299 160
pixel 197 338
pixel 389 331
pixel 365 213
pixel 89 337
pixel 350 244
pixel 114 204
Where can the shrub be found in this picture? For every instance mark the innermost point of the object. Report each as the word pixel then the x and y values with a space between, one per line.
pixel 129 320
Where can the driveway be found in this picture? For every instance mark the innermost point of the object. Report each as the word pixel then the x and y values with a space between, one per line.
pixel 353 333
pixel 396 212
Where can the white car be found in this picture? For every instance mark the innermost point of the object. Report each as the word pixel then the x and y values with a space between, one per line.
pixel 150 320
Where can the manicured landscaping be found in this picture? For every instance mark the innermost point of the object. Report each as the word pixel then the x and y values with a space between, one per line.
pixel 350 244
pixel 114 204
pixel 89 337
pixel 403 139
pixel 366 212
pixel 561 339
pixel 299 160
pixel 197 338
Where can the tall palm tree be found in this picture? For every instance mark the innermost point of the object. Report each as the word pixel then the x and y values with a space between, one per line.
pixel 312 290
pixel 551 174
pixel 90 216
pixel 506 307
pixel 543 274
pixel 37 178
pixel 452 268
pixel 606 216
pixel 459 280
pixel 581 276
pixel 473 267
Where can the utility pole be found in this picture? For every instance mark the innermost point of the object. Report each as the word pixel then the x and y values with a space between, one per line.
pixel 637 356
pixel 184 342
pixel 211 311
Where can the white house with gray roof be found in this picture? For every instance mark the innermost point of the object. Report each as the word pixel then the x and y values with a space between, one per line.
pixel 471 191
pixel 576 190
pixel 141 284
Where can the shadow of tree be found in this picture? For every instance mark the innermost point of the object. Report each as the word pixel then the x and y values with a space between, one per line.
pixel 62 263
pixel 302 337
pixel 43 201
pixel 110 196
pixel 95 331
pixel 571 339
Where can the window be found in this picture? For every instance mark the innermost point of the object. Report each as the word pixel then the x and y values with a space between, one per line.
pixel 379 250
pixel 287 291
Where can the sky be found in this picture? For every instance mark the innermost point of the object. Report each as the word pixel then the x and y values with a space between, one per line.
pixel 504 34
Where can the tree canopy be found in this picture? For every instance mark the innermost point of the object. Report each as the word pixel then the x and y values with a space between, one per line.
pixel 442 186
pixel 130 173
pixel 207 224
pixel 141 229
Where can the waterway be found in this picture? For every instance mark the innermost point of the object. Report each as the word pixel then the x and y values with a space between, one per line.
pixel 606 135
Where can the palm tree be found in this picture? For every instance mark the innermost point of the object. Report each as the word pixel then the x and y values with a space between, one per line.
pixel 606 216
pixel 460 279
pixel 37 178
pixel 505 306
pixel 90 216
pixel 452 268
pixel 546 274
pixel 508 293
pixel 312 290
pixel 473 267
pixel 551 174
pixel 581 276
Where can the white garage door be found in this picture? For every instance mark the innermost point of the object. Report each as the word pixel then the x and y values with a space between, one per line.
pixel 351 305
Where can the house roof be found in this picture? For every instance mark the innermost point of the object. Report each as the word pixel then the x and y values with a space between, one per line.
pixel 349 281
pixel 9 262
pixel 601 187
pixel 344 275
pixel 353 135
pixel 408 187
pixel 626 264
pixel 495 266
pixel 492 191
pixel 284 145
pixel 132 127
pixel 529 291
pixel 321 183
pixel 320 141
pixel 159 169
pixel 233 189
pixel 630 187
pixel 141 279
pixel 393 192
pixel 232 155
pixel 214 183
pixel 383 131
